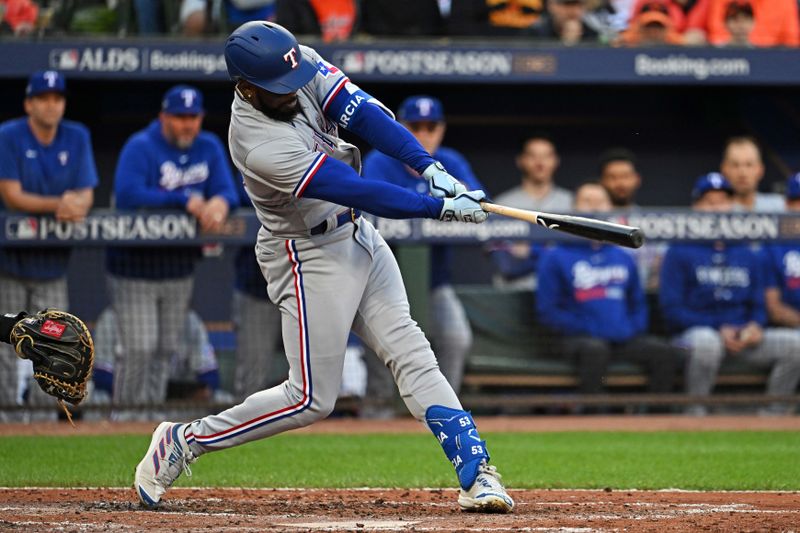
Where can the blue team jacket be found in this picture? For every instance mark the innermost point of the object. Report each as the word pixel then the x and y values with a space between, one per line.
pixel 711 284
pixel 782 271
pixel 66 164
pixel 589 289
pixel 378 165
pixel 151 173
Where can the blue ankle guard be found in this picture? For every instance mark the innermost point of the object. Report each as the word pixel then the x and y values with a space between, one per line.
pixel 455 430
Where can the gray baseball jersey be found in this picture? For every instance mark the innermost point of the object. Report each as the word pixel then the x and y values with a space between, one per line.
pixel 324 284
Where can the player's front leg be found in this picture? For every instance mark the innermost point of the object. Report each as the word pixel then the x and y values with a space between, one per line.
pixel 385 324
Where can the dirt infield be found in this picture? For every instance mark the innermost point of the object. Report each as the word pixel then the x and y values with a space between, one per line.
pixel 88 510
pixel 486 424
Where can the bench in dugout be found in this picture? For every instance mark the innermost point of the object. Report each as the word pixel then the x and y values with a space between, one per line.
pixel 512 355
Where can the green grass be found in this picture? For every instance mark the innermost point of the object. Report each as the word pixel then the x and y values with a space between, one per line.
pixel 687 460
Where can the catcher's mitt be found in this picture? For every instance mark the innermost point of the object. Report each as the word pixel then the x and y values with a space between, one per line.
pixel 62 351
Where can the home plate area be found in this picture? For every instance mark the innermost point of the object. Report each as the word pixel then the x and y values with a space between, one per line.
pixel 60 509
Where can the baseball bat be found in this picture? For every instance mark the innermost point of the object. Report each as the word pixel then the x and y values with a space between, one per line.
pixel 599 230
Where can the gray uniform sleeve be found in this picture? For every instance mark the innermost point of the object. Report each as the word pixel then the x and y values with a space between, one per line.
pixel 284 164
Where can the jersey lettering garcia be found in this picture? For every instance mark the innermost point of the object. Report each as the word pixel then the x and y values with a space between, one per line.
pixel 278 159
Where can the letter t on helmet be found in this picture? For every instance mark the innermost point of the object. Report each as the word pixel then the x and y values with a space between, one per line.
pixel 268 56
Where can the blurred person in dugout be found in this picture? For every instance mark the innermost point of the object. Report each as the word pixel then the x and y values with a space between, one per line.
pixel 450 332
pixel 171 164
pixel 712 299
pixel 564 21
pixel 18 17
pixel 256 319
pixel 620 177
pixel 46 168
pixel 537 161
pixel 193 366
pixel 782 270
pixel 590 297
pixel 743 167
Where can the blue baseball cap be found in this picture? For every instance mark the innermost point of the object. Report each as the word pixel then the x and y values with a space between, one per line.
pixel 182 100
pixel 793 187
pixel 45 81
pixel 421 108
pixel 713 181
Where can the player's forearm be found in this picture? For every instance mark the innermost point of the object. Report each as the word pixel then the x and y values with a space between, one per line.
pixel 7 323
pixel 783 315
pixel 32 203
pixel 136 197
pixel 338 183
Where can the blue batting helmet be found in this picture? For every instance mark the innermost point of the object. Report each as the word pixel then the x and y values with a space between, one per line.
pixel 268 56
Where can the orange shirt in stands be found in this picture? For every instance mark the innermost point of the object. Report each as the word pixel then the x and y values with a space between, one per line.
pixel 777 22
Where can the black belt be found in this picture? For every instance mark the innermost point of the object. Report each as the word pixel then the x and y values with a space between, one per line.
pixel 341 219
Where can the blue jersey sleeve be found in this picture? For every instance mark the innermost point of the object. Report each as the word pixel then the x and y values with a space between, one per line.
pixel 758 306
pixel 87 171
pixel 131 190
pixel 637 302
pixel 9 166
pixel 771 273
pixel 458 166
pixel 220 179
pixel 353 111
pixel 336 182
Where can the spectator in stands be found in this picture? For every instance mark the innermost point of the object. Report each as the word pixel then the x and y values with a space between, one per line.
pixel 170 164
pixel 739 21
pixel 782 270
pixel 493 17
pixel 776 22
pixel 46 168
pixel 712 297
pixel 589 295
pixel 333 20
pixel 743 167
pixel 410 17
pixel 194 360
pixel 653 25
pixel 537 162
pixel 256 319
pixel 450 330
pixel 18 16
pixel 198 17
pixel 564 22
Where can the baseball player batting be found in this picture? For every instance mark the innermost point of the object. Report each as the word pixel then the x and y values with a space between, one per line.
pixel 327 269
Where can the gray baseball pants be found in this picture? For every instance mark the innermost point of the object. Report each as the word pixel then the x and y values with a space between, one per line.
pixel 325 285
pixel 780 350
pixel 258 327
pixel 152 317
pixel 451 334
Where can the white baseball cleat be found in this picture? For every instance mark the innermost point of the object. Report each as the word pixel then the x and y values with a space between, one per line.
pixel 487 494
pixel 166 458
